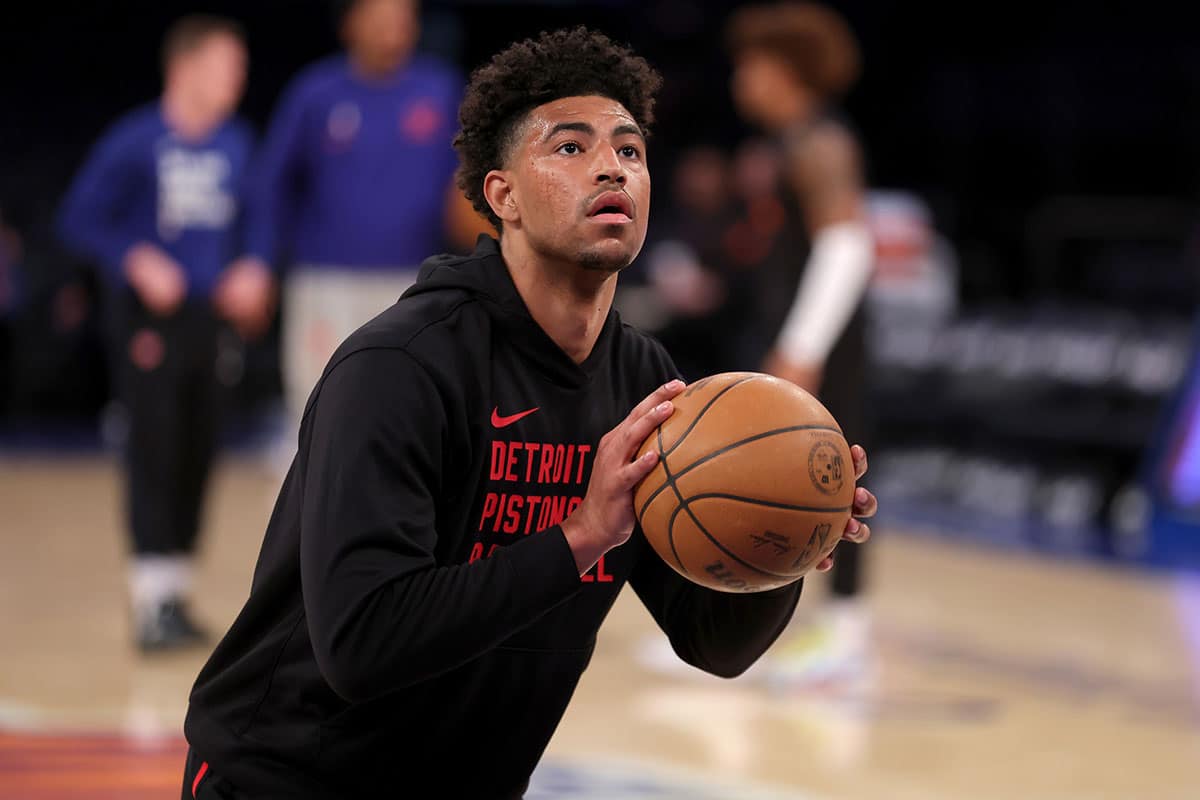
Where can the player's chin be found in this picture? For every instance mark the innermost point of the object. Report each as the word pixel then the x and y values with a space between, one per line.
pixel 609 254
pixel 612 247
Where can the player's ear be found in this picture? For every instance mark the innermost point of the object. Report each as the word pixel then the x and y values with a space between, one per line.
pixel 498 191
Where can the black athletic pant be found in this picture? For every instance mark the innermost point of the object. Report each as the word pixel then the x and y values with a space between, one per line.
pixel 166 377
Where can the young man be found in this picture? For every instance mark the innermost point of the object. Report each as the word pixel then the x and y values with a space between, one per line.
pixel 792 61
pixel 459 519
pixel 354 184
pixel 155 205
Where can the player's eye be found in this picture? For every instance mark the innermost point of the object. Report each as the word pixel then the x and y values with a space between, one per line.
pixel 629 151
pixel 568 148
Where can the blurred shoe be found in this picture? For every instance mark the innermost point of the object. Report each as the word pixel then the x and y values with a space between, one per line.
pixel 834 647
pixel 168 626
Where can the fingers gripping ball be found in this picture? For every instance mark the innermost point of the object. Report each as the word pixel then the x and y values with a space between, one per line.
pixel 754 484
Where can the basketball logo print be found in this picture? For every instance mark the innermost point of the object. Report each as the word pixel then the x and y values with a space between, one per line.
pixel 825 467
pixel 816 545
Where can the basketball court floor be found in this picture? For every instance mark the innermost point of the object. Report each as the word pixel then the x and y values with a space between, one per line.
pixel 997 675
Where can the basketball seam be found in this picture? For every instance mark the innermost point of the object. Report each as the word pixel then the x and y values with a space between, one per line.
pixel 703 410
pixel 685 505
pixel 720 451
pixel 768 503
pixel 670 479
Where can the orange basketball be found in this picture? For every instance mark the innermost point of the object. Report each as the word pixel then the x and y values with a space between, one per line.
pixel 754 484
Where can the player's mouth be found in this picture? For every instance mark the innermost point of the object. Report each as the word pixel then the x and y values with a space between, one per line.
pixel 611 208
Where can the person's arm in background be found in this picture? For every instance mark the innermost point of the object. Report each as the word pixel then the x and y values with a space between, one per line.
pixel 246 292
pixel 274 179
pixel 93 220
pixel 722 633
pixel 826 173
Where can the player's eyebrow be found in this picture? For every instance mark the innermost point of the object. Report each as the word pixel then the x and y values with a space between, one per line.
pixel 624 129
pixel 628 128
pixel 582 127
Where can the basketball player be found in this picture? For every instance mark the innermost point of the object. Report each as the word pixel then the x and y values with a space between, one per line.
pixel 792 61
pixel 459 520
pixel 354 184
pixel 155 205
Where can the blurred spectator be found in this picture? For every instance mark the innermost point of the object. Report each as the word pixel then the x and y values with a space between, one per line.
pixel 792 61
pixel 725 218
pixel 757 173
pixel 355 184
pixel 916 270
pixel 759 231
pixel 156 204
pixel 685 264
pixel 10 295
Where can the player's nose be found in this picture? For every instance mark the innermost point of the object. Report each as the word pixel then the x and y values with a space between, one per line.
pixel 606 166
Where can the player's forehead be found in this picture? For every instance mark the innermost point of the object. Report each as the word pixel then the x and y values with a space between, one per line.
pixel 215 45
pixel 602 114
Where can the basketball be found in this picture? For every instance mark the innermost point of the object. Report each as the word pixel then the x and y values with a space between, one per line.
pixel 753 487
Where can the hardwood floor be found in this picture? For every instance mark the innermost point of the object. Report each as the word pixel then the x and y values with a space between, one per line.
pixel 995 675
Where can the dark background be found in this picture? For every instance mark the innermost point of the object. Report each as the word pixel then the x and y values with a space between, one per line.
pixel 1058 147
pixel 989 110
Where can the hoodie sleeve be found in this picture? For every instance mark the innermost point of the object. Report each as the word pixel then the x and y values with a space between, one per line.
pixel 720 633
pixel 382 613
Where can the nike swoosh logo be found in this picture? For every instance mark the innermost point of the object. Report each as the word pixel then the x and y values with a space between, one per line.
pixel 503 422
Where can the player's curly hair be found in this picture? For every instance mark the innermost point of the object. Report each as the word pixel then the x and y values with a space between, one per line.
pixel 814 41
pixel 564 63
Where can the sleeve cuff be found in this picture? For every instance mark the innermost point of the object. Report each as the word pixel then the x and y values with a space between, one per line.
pixel 545 567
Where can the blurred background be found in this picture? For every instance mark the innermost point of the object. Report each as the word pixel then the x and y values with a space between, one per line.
pixel 1032 183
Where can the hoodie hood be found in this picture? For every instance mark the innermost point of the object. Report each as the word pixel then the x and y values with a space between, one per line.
pixel 484 277
pixel 481 273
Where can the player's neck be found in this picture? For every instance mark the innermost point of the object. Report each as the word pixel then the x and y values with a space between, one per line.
pixel 794 110
pixel 373 70
pixel 568 302
pixel 184 118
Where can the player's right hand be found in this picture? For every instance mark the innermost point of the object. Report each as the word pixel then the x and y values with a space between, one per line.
pixel 605 518
pixel 158 279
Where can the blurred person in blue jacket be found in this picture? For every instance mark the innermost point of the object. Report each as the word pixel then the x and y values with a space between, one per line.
pixel 156 205
pixel 354 185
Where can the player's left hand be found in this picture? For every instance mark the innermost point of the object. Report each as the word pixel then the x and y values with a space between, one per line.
pixel 865 505
pixel 245 295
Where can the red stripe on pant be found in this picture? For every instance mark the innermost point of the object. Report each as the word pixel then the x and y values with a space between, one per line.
pixel 199 776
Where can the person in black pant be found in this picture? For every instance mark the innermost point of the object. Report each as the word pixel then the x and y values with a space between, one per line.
pixel 458 520
pixel 155 205
pixel 791 62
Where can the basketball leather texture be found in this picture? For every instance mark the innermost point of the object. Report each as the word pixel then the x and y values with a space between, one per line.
pixel 754 484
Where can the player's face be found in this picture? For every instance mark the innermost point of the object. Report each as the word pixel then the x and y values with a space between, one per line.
pixel 382 32
pixel 580 182
pixel 766 92
pixel 217 71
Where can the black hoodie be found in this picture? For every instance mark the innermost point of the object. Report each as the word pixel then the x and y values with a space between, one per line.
pixel 416 618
